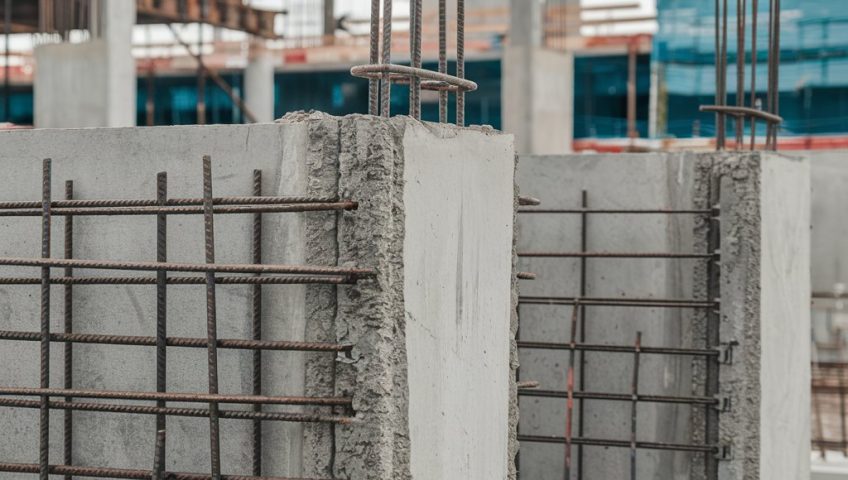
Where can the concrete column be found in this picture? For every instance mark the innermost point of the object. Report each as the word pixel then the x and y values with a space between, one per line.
pixel 90 84
pixel 259 84
pixel 537 94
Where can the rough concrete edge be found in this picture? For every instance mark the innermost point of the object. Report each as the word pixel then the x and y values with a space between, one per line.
pixel 514 412
pixel 320 229
pixel 739 428
pixel 371 313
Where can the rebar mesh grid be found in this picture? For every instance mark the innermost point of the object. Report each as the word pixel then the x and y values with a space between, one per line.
pixel 382 73
pixel 576 390
pixel 339 410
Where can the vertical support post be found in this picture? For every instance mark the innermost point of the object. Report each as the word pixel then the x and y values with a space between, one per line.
pixel 631 90
pixel 329 22
pixel 374 58
pixel 443 59
pixel 211 319
pixel 584 246
pixel 634 391
pixel 7 30
pixel 44 423
pixel 460 60
pixel 201 78
pixel 387 57
pixel 69 328
pixel 161 307
pixel 569 421
pixel 256 327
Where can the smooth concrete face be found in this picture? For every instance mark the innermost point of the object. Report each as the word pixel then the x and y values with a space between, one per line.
pixel 538 99
pixel 829 171
pixel 785 313
pixel 122 163
pixel 610 181
pixel 457 297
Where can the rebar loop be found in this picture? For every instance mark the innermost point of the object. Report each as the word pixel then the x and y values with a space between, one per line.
pixel 383 73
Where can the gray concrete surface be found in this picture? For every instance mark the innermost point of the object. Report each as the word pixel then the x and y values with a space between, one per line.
pixel 429 373
pixel 765 251
pixel 89 84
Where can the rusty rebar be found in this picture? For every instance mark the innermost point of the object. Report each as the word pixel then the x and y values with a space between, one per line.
pixel 612 255
pixel 211 320
pixel 460 60
pixel 184 342
pixel 161 310
pixel 443 59
pixel 674 447
pixel 694 352
pixel 634 391
pixel 621 397
pixel 181 411
pixel 569 421
pixel 172 202
pixel 158 459
pixel 619 302
pixel 44 419
pixel 584 246
pixel 184 267
pixel 374 58
pixel 182 280
pixel 123 473
pixel 186 210
pixel 68 380
pixel 256 326
pixel 387 58
pixel 176 397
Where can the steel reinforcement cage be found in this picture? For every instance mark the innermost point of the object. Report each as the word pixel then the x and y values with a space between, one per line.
pixel 254 275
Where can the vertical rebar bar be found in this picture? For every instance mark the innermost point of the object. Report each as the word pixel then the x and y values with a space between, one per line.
pixel 256 327
pixel 158 459
pixel 776 81
pixel 460 60
pixel 569 418
pixel 754 18
pixel 201 78
pixel 723 117
pixel 443 58
pixel 718 115
pixel 771 72
pixel 634 390
pixel 387 57
pixel 211 320
pixel 374 57
pixel 415 83
pixel 584 247
pixel 44 423
pixel 69 328
pixel 161 306
pixel 740 69
pixel 7 84
pixel 713 322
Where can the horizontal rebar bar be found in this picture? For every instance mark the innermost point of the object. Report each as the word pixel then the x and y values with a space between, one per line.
pixel 175 397
pixel 527 385
pixel 620 443
pixel 182 267
pixel 616 211
pixel 380 70
pixel 123 473
pixel 172 202
pixel 743 112
pixel 179 412
pixel 624 397
pixel 184 210
pixel 177 342
pixel 180 280
pixel 615 255
pixel 618 302
pixel 618 349
pixel 526 276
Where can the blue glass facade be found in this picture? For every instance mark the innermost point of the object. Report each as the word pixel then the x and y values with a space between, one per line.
pixel 813 72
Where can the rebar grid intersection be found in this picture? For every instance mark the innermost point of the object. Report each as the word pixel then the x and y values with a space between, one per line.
pixel 253 275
